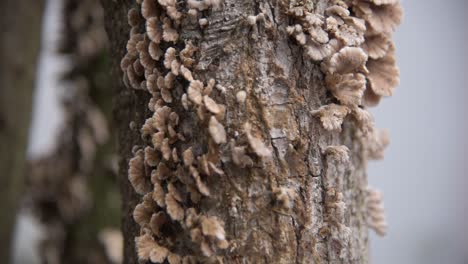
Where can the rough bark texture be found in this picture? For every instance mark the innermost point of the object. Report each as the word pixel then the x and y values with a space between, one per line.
pixel 282 88
pixel 20 27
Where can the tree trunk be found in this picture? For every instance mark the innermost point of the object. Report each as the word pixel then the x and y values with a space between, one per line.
pixel 20 23
pixel 73 190
pixel 276 176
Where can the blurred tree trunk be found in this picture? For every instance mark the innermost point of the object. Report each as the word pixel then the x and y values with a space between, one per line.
pixel 73 190
pixel 282 87
pixel 20 28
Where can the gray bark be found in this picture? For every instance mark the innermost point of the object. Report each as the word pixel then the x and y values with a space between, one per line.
pixel 282 88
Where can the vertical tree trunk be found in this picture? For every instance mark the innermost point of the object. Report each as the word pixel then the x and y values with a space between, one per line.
pixel 269 180
pixel 20 24
pixel 73 190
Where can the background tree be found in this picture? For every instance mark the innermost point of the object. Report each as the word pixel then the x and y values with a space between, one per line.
pixel 20 25
pixel 72 190
pixel 256 137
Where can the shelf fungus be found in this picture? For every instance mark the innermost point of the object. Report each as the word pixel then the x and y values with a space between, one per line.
pixel 352 42
pixel 170 177
pixel 332 116
pixel 175 169
pixel 339 154
pixel 256 143
pixel 375 211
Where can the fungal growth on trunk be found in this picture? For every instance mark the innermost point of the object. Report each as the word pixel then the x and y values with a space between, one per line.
pixel 170 174
pixel 189 137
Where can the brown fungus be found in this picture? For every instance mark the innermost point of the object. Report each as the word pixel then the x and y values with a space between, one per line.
pixel 376 212
pixel 154 30
pixel 149 249
pixel 217 131
pixel 376 46
pixel 194 92
pixel 384 75
pixel 347 88
pixel 158 195
pixel 332 116
pixel 169 33
pixel 174 209
pixel 338 153
pixel 256 144
pixel 142 214
pixel 382 19
pixel 157 221
pixel 149 9
pixel 213 227
pixel 133 17
pixel 136 173
pixel 348 60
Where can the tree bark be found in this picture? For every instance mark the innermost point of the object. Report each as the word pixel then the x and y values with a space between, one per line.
pixel 288 205
pixel 20 23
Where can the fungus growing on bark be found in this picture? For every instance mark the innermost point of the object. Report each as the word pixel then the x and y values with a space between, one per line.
pixel 142 214
pixel 378 141
pixel 142 65
pixel 151 157
pixel 241 96
pixel 149 9
pixel 171 9
pixel 186 73
pixel 347 88
pixel 348 60
pixel 376 46
pixel 332 116
pixel 334 203
pixel 211 105
pixel 375 211
pixel 318 52
pixel 354 59
pixel 252 20
pixel 133 17
pixel 174 259
pixel 217 131
pixel 383 74
pixel 158 194
pixel 256 144
pixel 175 211
pixel 239 156
pixel 132 44
pixel 204 4
pixel 149 249
pixel 154 30
pixel 338 153
pixel 212 227
pixel 157 221
pixel 383 18
pixel 194 92
pixel 136 173
pixel 169 33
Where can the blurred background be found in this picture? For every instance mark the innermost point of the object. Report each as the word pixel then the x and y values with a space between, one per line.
pixel 423 174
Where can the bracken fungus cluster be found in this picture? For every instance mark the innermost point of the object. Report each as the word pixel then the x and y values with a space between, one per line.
pixel 350 39
pixel 169 173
